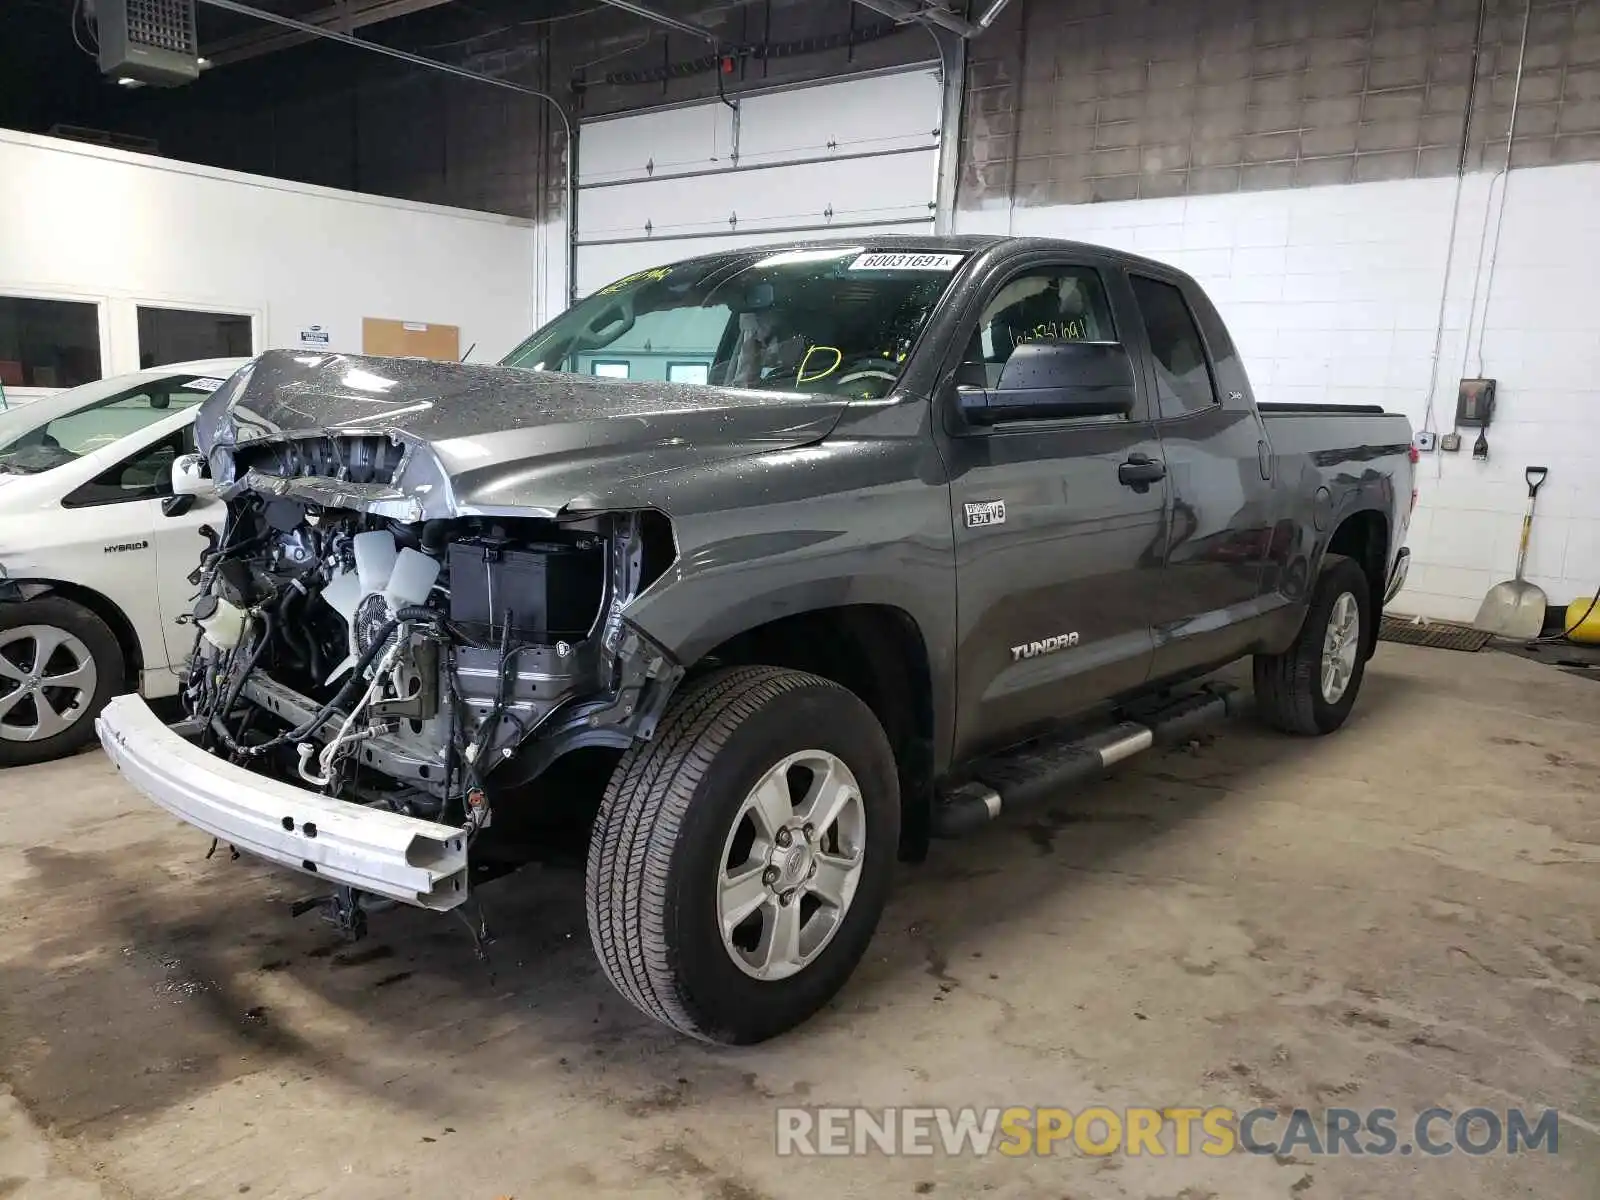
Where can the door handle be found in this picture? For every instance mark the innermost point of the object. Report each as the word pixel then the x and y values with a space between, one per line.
pixel 1140 471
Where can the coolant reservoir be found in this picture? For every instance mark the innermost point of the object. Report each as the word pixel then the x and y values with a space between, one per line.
pixel 411 580
pixel 221 622
pixel 1588 628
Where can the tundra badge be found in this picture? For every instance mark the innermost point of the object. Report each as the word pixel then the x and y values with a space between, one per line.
pixel 1049 645
pixel 985 512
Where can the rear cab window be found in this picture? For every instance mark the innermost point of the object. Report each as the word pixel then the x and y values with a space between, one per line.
pixel 1183 376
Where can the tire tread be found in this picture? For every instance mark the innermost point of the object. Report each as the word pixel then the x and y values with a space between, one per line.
pixel 637 828
pixel 1286 685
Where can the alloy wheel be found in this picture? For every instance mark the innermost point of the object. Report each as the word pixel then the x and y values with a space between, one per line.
pixel 791 864
pixel 47 680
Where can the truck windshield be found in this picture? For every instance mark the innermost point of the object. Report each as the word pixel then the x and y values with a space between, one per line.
pixel 840 321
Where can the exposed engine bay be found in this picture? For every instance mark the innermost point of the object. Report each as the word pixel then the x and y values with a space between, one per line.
pixel 411 665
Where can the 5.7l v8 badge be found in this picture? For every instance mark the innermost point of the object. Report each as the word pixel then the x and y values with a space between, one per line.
pixel 985 512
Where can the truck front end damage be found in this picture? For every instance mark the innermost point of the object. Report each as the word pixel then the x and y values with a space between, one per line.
pixel 375 666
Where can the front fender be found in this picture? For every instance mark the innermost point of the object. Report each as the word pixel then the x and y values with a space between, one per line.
pixel 745 568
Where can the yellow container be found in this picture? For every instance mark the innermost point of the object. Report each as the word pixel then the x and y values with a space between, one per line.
pixel 1589 631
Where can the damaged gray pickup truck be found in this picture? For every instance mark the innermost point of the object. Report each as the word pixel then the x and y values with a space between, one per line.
pixel 758 571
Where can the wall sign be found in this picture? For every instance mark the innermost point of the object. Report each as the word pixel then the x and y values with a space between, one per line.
pixel 313 337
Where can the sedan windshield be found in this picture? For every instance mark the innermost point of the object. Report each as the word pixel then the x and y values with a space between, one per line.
pixel 840 321
pixel 72 424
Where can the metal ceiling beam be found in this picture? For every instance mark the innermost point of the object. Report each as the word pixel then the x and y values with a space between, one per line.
pixel 346 17
pixel 661 18
pixel 931 14
pixel 991 13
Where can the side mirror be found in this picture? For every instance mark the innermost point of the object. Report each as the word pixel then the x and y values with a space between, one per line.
pixel 1052 380
pixel 189 477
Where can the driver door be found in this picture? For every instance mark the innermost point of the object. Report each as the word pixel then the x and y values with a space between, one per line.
pixel 1058 560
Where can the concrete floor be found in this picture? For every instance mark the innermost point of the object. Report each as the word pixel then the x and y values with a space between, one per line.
pixel 1404 915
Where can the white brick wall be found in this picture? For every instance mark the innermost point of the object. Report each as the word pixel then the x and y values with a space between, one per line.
pixel 1333 294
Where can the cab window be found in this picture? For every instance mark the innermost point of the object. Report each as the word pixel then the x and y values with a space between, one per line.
pixel 1183 377
pixel 1058 304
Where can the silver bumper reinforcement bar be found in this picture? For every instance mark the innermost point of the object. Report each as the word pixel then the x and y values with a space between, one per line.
pixel 414 862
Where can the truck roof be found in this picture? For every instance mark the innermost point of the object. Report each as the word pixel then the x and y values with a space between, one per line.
pixel 959 243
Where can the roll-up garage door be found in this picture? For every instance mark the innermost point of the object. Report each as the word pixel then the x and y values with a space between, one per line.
pixel 856 157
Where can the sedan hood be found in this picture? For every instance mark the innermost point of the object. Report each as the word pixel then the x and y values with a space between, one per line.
pixel 482 440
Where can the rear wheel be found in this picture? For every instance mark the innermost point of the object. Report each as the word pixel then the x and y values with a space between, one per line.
pixel 1311 687
pixel 741 859
pixel 59 665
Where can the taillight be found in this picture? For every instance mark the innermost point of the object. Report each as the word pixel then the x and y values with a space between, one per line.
pixel 1415 454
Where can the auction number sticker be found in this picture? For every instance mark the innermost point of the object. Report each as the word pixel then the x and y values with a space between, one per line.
pixel 906 262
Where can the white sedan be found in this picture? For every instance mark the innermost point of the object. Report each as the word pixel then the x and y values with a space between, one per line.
pixel 96 551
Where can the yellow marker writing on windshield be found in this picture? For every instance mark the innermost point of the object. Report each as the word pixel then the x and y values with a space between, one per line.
pixel 651 276
pixel 801 376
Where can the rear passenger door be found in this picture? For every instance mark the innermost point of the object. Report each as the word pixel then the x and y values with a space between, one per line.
pixel 1210 603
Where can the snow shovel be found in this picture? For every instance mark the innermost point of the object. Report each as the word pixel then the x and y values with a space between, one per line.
pixel 1515 608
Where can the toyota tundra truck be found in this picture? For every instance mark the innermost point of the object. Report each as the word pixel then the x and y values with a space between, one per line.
pixel 765 568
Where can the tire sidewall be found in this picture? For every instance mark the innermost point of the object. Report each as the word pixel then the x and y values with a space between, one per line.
pixel 1342 577
pixel 110 670
pixel 728 1004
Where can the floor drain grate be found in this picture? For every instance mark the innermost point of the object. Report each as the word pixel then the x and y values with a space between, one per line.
pixel 1441 635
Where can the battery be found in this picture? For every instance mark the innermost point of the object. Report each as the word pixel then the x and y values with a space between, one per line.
pixel 551 591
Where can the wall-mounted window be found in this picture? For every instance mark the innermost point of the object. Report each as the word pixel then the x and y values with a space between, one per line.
pixel 174 335
pixel 689 372
pixel 609 369
pixel 48 343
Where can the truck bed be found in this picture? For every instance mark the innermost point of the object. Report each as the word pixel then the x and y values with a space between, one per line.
pixel 1335 432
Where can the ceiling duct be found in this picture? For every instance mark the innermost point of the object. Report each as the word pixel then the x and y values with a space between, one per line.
pixel 148 41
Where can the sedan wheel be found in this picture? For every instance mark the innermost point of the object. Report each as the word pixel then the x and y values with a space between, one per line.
pixel 48 680
pixel 59 665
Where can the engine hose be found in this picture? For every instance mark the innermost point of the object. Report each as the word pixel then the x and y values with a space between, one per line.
pixel 412 615
pixel 291 632
pixel 249 664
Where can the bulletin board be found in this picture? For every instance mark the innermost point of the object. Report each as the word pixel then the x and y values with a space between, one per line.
pixel 410 339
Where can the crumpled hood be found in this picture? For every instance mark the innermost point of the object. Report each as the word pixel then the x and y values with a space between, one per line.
pixel 496 440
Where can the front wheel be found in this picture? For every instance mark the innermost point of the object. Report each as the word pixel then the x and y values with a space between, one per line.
pixel 1310 688
pixel 741 860
pixel 59 666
